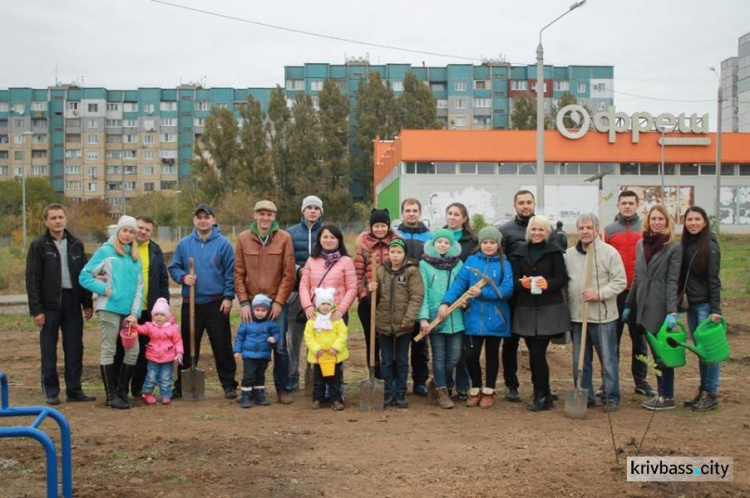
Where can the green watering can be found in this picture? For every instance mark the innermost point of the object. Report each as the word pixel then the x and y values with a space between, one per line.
pixel 711 344
pixel 668 345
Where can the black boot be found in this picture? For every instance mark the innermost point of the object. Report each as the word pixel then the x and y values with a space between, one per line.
pixel 108 379
pixel 120 397
pixel 542 401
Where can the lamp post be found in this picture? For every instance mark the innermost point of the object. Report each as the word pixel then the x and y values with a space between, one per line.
pixel 176 218
pixel 540 109
pixel 717 200
pixel 26 134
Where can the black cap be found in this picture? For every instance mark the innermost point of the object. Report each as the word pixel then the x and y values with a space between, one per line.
pixel 205 208
pixel 380 216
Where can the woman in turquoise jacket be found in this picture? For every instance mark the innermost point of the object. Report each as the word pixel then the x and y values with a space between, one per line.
pixel 439 267
pixel 487 319
pixel 114 274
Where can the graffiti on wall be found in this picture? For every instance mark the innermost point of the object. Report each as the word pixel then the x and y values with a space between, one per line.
pixel 477 201
pixel 675 199
pixel 734 205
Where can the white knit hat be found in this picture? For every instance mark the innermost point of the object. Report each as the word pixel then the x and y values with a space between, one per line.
pixel 324 295
pixel 161 306
pixel 126 221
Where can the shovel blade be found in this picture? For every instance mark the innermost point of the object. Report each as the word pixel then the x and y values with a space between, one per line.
pixel 193 384
pixel 309 379
pixel 371 395
pixel 576 403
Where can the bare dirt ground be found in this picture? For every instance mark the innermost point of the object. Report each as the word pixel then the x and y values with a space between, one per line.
pixel 214 448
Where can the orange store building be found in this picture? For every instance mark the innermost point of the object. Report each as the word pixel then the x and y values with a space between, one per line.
pixel 483 169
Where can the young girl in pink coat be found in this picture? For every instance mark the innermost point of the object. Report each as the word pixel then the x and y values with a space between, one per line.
pixel 164 347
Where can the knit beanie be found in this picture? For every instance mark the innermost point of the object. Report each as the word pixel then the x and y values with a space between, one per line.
pixel 490 232
pixel 312 200
pixel 380 216
pixel 396 241
pixel 261 300
pixel 161 306
pixel 126 221
pixel 324 295
pixel 442 233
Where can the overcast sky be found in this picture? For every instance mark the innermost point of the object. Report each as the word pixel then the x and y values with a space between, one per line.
pixel 661 49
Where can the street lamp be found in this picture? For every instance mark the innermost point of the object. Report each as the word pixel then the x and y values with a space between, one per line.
pixel 176 206
pixel 717 200
pixel 663 130
pixel 26 134
pixel 540 109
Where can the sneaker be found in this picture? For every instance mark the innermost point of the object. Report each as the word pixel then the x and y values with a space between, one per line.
pixel 658 403
pixel 80 397
pixel 389 399
pixel 462 396
pixel 293 386
pixel 645 389
pixel 230 392
pixel 609 408
pixel 401 401
pixel 260 397
pixel 149 399
pixel 511 394
pixel 338 406
pixel 315 405
pixel 166 401
pixel 690 402
pixel 599 392
pixel 53 400
pixel 420 389
pixel 708 401
pixel 245 401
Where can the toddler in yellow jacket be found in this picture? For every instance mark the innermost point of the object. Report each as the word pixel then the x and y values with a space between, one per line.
pixel 325 340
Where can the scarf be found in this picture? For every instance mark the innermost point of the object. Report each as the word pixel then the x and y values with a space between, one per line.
pixel 330 257
pixel 652 244
pixel 443 262
pixel 323 322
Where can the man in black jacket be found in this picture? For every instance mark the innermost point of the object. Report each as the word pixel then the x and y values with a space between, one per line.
pixel 155 285
pixel 53 264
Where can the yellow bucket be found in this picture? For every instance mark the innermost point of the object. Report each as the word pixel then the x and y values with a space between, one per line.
pixel 327 364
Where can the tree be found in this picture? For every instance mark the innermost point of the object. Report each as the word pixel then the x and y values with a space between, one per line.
pixel 253 148
pixel 417 108
pixel 277 129
pixel 217 156
pixel 568 98
pixel 334 152
pixel 90 216
pixel 523 116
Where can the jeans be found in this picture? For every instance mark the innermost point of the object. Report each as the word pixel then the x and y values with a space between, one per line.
pixel 69 319
pixel 394 362
pixel 332 386
pixel 709 373
pixel 281 354
pixel 158 374
pixel 473 347
pixel 640 345
pixel 603 338
pixel 296 333
pixel 446 352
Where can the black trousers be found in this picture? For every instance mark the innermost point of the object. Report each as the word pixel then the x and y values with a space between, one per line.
pixel 209 317
pixel 510 355
pixel 139 370
pixel 70 320
pixel 420 358
pixel 333 384
pixel 538 360
pixel 473 348
pixel 639 342
pixel 363 310
pixel 254 373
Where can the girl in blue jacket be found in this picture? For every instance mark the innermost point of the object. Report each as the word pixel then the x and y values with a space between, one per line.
pixel 487 318
pixel 114 274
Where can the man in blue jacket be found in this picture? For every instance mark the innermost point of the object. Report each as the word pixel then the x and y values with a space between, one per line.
pixel 304 237
pixel 214 293
pixel 415 234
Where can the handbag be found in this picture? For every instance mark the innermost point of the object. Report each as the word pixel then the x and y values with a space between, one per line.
pixel 301 317
pixel 682 298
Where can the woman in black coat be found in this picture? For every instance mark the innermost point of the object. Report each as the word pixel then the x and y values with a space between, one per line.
pixel 541 312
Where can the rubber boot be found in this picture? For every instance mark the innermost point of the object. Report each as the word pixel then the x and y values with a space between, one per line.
pixel 245 401
pixel 108 379
pixel 444 400
pixel 120 397
pixel 260 397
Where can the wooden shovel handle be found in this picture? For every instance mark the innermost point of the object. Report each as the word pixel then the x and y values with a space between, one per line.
pixel 192 315
pixel 585 312
pixel 373 309
pixel 459 302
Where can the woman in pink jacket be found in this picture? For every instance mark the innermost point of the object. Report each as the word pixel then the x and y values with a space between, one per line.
pixel 164 347
pixel 329 266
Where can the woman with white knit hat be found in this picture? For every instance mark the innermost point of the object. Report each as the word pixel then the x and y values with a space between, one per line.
pixel 114 275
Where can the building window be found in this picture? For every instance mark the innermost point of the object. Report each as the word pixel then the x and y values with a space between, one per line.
pixel 39 139
pixel 459 86
pixel 689 170
pixel 482 103
pixel 519 85
pixel 508 168
pixel 168 137
pixel 114 139
pixel 130 123
pixel 113 185
pixel 73 123
pixel 316 86
pixel 168 170
pixel 71 106
pixel 39 106
pixel 459 122
pixel 148 171
pixel 112 123
pixel 397 86
pixel 72 185
pixel 629 169
pixel 92 186
pixel 460 103
pixel 581 87
pixel 437 87
pixel 602 106
pixel 315 103
pixel 169 154
pixel 113 107
pixel 18 139
pixel 113 171
pixel 483 121
pixel 39 154
pixel 39 170
pixel 3 170
pixel 130 154
pixel 527 169
pixel 130 107
pixel 486 168
pixel 93 139
pixel 481 85
pixel 130 139
pixel 73 170
pixel 148 154
pixel 148 108
pixel 4 107
pixel 4 154
pixel 168 122
pixel 442 104
pixel 533 86
pixel 295 84
pixel 114 154
pixel 93 107
pixel 129 185
pixel 165 106
pixel 599 87
pixel 72 153
pixel 148 186
pixel 561 86
pixel 202 106
pixel 199 122
pixel 168 185
pixel 93 171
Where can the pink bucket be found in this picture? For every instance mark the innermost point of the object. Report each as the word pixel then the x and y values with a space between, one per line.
pixel 129 337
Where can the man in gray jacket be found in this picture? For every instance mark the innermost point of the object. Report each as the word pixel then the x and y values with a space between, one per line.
pixel 606 281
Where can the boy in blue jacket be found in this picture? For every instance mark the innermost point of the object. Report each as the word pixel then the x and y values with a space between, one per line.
pixel 254 343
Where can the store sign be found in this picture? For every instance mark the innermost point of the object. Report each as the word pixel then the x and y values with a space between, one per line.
pixel 612 122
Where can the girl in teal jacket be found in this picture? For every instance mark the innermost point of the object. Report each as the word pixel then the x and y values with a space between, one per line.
pixel 114 274
pixel 439 267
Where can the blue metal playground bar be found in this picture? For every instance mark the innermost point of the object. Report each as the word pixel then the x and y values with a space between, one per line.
pixel 33 432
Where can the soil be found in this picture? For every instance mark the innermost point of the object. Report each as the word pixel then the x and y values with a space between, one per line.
pixel 215 448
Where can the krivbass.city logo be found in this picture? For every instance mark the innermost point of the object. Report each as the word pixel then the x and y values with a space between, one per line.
pixel 690 469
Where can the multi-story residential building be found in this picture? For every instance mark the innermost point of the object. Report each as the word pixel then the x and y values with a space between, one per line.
pixel 95 143
pixel 735 87
pixel 468 96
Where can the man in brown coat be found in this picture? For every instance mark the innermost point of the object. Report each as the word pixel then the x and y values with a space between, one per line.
pixel 264 263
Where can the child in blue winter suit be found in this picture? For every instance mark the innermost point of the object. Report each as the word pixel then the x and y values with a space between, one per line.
pixel 255 342
pixel 487 319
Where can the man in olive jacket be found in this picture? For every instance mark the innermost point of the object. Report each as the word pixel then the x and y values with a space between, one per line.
pixel 56 298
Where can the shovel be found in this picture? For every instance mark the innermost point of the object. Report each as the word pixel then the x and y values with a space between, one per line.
pixel 372 390
pixel 309 379
pixel 576 399
pixel 193 380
